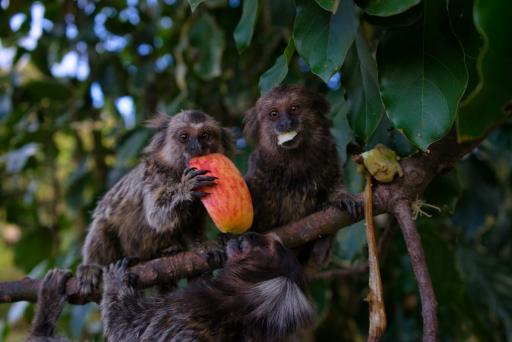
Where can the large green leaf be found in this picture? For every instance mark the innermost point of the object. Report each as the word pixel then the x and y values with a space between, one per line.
pixel 362 85
pixel 245 28
pixel 276 74
pixel 207 47
pixel 385 8
pixel 322 38
pixel 485 105
pixel 423 76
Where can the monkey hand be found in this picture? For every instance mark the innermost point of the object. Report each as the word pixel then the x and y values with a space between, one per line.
pixel 53 287
pixel 89 276
pixel 116 276
pixel 194 180
pixel 349 203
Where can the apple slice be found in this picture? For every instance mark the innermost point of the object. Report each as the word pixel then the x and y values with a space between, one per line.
pixel 229 203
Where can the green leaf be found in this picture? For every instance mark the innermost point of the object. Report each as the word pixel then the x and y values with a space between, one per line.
pixel 245 28
pixel 385 8
pixel 323 39
pixel 361 82
pixel 207 47
pixel 34 246
pixel 423 76
pixel 276 74
pixel 49 89
pixel 194 3
pixel 329 5
pixel 341 129
pixel 485 105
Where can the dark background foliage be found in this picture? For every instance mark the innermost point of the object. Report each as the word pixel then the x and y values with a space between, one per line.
pixel 79 78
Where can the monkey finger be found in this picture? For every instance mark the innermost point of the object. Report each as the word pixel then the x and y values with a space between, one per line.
pixel 204 184
pixel 200 194
pixel 196 172
pixel 188 170
pixel 205 178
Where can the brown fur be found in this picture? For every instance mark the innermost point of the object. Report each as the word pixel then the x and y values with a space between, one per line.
pixel 51 299
pixel 155 207
pixel 258 296
pixel 292 181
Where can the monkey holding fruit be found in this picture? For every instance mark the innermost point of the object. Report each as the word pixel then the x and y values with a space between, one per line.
pixel 259 295
pixel 294 169
pixel 155 208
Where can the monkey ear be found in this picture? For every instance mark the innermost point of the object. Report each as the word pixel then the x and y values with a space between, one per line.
pixel 227 140
pixel 159 122
pixel 251 125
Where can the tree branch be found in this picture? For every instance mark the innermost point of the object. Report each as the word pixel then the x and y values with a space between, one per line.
pixel 412 238
pixel 419 170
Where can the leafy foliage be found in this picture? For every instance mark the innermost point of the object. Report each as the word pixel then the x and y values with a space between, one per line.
pixel 78 80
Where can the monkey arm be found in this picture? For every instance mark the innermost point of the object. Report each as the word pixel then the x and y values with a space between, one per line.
pixel 123 306
pixel 165 206
pixel 101 245
pixel 167 202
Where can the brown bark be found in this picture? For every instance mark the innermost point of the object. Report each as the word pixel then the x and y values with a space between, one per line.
pixel 419 170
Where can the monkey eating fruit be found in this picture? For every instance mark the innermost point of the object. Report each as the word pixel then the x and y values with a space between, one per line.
pixel 155 208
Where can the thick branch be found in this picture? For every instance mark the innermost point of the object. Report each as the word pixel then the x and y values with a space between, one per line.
pixel 419 265
pixel 419 170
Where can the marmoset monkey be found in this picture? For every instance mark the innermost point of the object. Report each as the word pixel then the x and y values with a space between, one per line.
pixel 258 296
pixel 51 299
pixel 155 207
pixel 294 169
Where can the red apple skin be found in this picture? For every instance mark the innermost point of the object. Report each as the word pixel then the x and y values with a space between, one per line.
pixel 229 203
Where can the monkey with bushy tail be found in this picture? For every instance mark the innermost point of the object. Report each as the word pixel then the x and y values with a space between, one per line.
pixel 259 295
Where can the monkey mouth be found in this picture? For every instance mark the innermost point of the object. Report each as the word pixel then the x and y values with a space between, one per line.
pixel 286 139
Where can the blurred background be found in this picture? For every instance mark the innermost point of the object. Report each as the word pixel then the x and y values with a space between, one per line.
pixel 79 78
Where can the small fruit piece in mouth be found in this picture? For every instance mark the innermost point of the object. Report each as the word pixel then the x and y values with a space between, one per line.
pixel 285 137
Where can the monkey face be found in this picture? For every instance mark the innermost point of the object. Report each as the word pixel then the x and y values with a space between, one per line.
pixel 258 257
pixel 284 118
pixel 188 134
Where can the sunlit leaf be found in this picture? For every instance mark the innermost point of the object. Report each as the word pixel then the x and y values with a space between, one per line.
pixel 322 38
pixel 423 76
pixel 276 74
pixel 245 28
pixel 361 82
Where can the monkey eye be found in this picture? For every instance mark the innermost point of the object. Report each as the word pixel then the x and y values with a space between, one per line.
pixel 205 135
pixel 273 114
pixel 183 137
pixel 294 108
